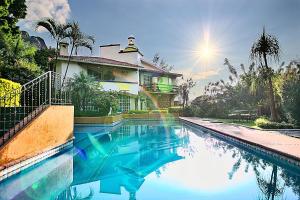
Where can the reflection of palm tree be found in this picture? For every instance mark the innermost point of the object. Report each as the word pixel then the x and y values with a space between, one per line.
pixel 271 188
pixel 71 194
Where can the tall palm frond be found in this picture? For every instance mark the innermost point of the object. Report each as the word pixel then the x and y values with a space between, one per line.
pixel 266 46
pixel 57 31
pixel 266 49
pixel 77 39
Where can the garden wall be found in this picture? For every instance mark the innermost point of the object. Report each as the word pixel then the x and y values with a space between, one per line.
pixel 52 128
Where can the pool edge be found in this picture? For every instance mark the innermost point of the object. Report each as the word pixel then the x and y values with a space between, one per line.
pixel 18 166
pixel 257 147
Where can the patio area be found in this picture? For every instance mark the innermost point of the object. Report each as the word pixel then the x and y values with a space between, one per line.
pixel 273 141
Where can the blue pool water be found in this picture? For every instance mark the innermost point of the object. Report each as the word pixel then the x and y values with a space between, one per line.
pixel 154 160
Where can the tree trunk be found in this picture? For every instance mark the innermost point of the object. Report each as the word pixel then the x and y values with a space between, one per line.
pixel 56 56
pixel 274 116
pixel 68 65
pixel 274 184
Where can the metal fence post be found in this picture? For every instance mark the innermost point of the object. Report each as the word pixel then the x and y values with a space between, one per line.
pixel 50 83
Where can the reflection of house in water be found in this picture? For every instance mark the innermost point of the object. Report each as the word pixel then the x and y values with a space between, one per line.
pixel 125 156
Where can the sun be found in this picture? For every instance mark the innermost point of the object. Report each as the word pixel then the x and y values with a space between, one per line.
pixel 206 52
pixel 206 49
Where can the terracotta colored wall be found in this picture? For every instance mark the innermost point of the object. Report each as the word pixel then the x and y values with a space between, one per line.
pixel 51 128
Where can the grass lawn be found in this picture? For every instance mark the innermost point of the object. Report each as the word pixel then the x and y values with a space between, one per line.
pixel 249 123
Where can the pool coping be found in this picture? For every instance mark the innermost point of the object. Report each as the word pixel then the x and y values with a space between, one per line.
pixel 17 166
pixel 274 153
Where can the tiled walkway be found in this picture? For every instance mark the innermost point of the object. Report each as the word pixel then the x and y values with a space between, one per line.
pixel 271 140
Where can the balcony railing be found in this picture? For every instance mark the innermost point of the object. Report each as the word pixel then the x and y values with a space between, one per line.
pixel 19 106
pixel 160 88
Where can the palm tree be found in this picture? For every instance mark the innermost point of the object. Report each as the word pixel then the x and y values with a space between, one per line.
pixel 57 31
pixel 265 49
pixel 77 39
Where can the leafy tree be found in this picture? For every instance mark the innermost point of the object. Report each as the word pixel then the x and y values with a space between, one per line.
pixel 184 90
pixel 88 96
pixel 77 39
pixel 264 50
pixel 291 91
pixel 44 58
pixel 17 60
pixel 57 31
pixel 10 12
pixel 107 102
pixel 83 89
pixel 161 63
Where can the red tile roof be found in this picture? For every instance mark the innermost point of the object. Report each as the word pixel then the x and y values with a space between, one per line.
pixel 148 66
pixel 99 60
pixel 152 68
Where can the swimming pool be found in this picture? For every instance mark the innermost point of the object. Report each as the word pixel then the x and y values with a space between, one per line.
pixel 154 160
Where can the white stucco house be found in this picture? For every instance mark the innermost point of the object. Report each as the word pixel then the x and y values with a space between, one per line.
pixel 144 84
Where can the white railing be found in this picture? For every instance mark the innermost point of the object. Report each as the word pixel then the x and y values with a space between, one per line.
pixel 20 105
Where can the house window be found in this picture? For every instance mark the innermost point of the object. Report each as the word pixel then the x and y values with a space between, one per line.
pixel 95 74
pixel 124 103
pixel 147 79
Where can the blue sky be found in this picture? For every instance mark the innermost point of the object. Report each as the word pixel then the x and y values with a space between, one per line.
pixel 178 29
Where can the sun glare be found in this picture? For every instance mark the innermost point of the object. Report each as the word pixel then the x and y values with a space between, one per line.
pixel 206 52
pixel 206 49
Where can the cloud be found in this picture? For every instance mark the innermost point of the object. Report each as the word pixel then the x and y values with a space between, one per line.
pixel 206 74
pixel 201 74
pixel 39 9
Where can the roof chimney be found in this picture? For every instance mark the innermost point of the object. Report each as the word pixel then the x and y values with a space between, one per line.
pixel 63 49
pixel 131 41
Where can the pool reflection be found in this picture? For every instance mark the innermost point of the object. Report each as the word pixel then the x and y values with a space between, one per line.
pixel 155 160
pixel 125 156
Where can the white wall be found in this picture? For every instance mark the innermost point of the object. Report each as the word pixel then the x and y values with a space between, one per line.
pixel 73 69
pixel 112 52
pixel 115 86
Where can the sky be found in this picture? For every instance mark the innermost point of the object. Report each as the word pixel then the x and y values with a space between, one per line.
pixel 195 36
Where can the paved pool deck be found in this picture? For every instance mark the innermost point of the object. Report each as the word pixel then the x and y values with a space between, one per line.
pixel 270 140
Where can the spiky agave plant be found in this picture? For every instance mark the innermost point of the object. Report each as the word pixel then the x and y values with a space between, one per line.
pixel 266 49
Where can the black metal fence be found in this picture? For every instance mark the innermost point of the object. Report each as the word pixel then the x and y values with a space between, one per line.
pixel 19 106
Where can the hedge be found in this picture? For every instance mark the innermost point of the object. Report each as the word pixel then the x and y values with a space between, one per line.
pixel 175 109
pixel 138 111
pixel 266 124
pixel 6 87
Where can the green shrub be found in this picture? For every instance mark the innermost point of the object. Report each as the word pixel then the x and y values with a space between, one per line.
pixel 88 114
pixel 104 101
pixel 261 121
pixel 188 112
pixel 138 111
pixel 291 98
pixel 6 87
pixel 176 109
pixel 160 111
pixel 266 124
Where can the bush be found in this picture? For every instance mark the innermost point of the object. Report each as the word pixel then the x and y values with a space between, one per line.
pixel 176 109
pixel 6 87
pixel 106 102
pixel 160 111
pixel 88 114
pixel 188 112
pixel 266 124
pixel 291 98
pixel 138 111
